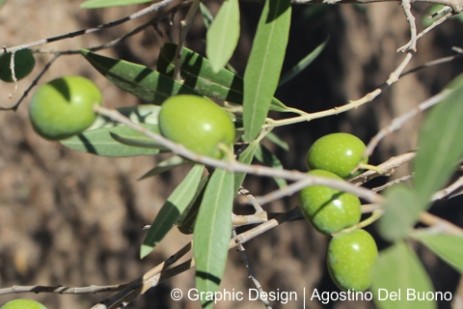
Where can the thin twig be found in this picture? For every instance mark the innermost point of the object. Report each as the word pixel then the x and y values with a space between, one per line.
pixel 251 274
pixel 449 191
pixel 60 289
pixel 388 166
pixel 353 104
pixel 185 26
pixel 150 9
pixel 439 21
pixel 432 63
pixel 140 285
pixel 407 7
pixel 455 5
pixel 399 121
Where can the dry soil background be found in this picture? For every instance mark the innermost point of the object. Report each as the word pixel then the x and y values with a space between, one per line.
pixel 74 219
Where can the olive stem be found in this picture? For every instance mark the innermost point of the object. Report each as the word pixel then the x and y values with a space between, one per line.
pixel 370 167
pixel 185 27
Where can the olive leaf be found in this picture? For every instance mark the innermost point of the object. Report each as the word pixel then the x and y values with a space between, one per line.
pixel 137 79
pixel 173 208
pixel 448 247
pixel 223 34
pixel 112 139
pixel 264 65
pixel 212 233
pixel 442 130
pixel 198 74
pixel 398 277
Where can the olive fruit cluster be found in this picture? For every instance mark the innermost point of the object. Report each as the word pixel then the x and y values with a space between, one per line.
pixel 351 252
pixel 22 303
pixel 63 107
pixel 23 64
pixel 197 123
pixel 334 156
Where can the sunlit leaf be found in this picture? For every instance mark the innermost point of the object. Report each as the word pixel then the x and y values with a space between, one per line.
pixel 139 80
pixel 174 206
pixel 440 148
pixel 448 247
pixel 400 214
pixel 197 74
pixel 99 138
pixel 399 279
pixel 264 64
pixel 212 233
pixel 222 36
pixel 439 152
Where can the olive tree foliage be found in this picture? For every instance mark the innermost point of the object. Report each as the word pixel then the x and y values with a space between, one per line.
pixel 202 203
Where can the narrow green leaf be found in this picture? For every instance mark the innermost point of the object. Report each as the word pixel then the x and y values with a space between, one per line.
pixel 212 233
pixel 174 206
pixel 198 74
pixel 268 158
pixel 401 211
pixel 399 279
pixel 139 80
pixel 440 148
pixel 278 141
pixel 164 166
pixel 222 37
pixel 439 152
pixel 448 247
pixel 99 138
pixel 93 4
pixel 245 157
pixel 302 64
pixel 264 65
pixel 206 14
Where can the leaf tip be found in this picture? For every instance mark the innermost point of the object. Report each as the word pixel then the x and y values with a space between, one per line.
pixel 145 250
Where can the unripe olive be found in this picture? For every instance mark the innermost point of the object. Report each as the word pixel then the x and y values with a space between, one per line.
pixel 22 303
pixel 328 209
pixel 64 107
pixel 339 153
pixel 350 258
pixel 24 63
pixel 197 123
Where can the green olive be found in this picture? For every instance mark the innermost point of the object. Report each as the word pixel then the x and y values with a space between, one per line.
pixel 22 303
pixel 24 63
pixel 339 153
pixel 328 209
pixel 64 107
pixel 197 123
pixel 350 258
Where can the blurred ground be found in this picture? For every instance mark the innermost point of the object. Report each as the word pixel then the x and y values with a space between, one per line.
pixel 74 219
